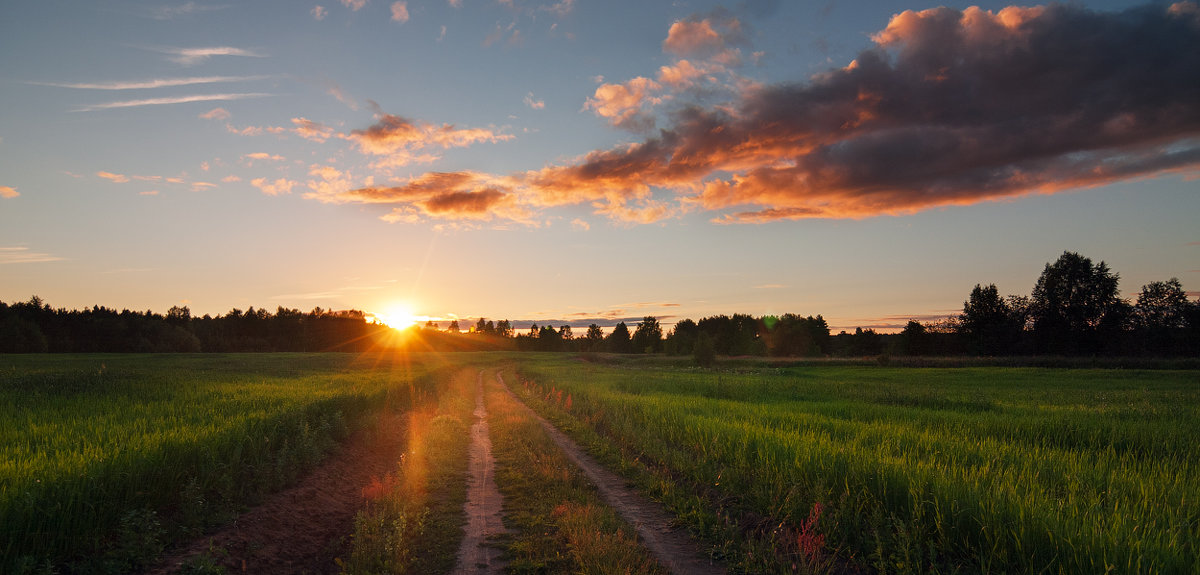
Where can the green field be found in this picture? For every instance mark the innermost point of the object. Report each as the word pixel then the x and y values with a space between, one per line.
pixel 912 470
pixel 809 467
pixel 105 458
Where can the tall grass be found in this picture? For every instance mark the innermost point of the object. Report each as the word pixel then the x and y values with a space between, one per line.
pixel 106 458
pixel 926 470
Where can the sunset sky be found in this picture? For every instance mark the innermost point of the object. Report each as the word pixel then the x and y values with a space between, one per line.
pixel 587 160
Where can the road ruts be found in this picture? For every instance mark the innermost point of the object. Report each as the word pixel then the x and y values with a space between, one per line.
pixel 678 552
pixel 484 502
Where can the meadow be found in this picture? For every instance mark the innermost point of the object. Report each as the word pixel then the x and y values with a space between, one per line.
pixel 903 470
pixel 105 459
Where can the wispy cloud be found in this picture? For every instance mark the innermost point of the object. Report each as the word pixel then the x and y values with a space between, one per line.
pixel 8 192
pixel 404 141
pixel 186 9
pixel 318 13
pixel 192 56
pixel 151 84
pixel 171 100
pixel 22 255
pixel 354 5
pixel 310 130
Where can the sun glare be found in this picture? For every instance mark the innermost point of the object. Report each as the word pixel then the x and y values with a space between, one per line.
pixel 396 316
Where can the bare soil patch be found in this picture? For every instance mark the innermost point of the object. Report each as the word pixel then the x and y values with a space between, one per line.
pixel 484 504
pixel 677 551
pixel 302 529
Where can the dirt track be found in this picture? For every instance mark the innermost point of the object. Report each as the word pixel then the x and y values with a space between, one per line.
pixel 484 502
pixel 678 552
pixel 302 529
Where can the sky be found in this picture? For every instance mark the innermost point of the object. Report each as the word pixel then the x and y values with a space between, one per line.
pixel 590 161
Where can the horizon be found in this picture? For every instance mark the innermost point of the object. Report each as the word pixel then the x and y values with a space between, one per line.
pixel 575 162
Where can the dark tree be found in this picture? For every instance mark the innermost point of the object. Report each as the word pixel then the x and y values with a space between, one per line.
pixel 989 324
pixel 619 340
pixel 704 353
pixel 593 340
pixel 682 339
pixel 565 332
pixel 504 328
pixel 915 339
pixel 1075 304
pixel 1162 305
pixel 647 338
pixel 453 327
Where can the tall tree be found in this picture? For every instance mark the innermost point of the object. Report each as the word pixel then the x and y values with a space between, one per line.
pixel 988 322
pixel 593 340
pixel 1074 303
pixel 647 338
pixel 619 341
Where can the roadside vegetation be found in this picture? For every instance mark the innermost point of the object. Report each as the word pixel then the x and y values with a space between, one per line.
pixel 105 460
pixel 414 516
pixel 905 470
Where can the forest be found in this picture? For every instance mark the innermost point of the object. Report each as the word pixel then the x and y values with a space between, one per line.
pixel 1074 309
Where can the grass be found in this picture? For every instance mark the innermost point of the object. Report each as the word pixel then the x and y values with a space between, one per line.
pixel 914 470
pixel 560 523
pixel 413 523
pixel 105 459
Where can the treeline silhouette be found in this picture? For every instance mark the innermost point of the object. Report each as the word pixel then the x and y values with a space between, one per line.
pixel 1074 309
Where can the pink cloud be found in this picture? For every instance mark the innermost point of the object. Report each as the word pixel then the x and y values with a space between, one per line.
pixel 318 13
pixel 115 178
pixel 216 114
pixel 354 5
pixel 311 130
pixel 403 140
pixel 8 192
pixel 400 12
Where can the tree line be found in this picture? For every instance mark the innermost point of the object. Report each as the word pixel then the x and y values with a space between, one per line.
pixel 1075 308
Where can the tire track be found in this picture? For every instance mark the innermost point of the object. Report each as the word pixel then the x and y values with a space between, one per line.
pixel 678 552
pixel 484 501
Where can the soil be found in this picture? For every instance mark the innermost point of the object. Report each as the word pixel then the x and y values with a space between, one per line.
pixel 476 556
pixel 674 548
pixel 302 529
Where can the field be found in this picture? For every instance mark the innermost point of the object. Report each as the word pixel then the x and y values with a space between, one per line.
pixel 807 468
pixel 911 470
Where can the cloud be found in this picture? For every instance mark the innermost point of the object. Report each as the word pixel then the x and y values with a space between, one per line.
pixel 533 103
pixel 713 36
pixel 170 100
pixel 623 105
pixel 318 13
pixel 192 56
pixel 216 114
pixel 434 195
pixel 580 224
pixel 254 130
pixel 454 3
pixel 403 140
pixel 400 12
pixel 186 9
pixel 22 255
pixel 115 178
pixel 8 192
pixel 263 156
pixel 948 108
pixel 560 9
pixel 278 187
pixel 231 178
pixel 151 84
pixel 311 130
pixel 354 5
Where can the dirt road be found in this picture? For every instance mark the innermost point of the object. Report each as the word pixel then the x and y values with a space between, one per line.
pixel 484 501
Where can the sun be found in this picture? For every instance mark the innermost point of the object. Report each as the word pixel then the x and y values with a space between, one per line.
pixel 398 315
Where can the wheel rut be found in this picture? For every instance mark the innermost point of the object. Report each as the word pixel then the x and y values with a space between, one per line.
pixel 677 551
pixel 476 556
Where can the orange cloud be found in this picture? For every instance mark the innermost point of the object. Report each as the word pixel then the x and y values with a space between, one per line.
pixel 311 130
pixel 263 156
pixel 623 105
pixel 943 111
pixel 8 192
pixel 278 187
pixel 216 114
pixel 402 140
pixel 115 178
pixel 713 36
